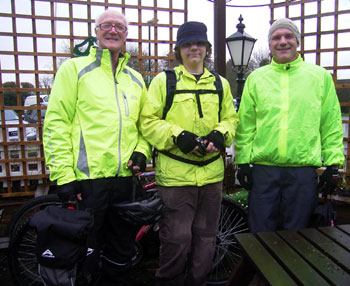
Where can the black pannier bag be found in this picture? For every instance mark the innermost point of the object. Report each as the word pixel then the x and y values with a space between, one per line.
pixel 324 214
pixel 61 242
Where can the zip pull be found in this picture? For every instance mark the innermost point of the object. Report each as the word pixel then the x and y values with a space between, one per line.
pixel 287 67
pixel 126 104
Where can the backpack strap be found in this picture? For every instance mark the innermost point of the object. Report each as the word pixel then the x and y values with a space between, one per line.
pixel 220 90
pixel 170 93
pixel 170 90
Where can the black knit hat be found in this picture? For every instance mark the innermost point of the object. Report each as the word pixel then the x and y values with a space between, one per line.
pixel 195 32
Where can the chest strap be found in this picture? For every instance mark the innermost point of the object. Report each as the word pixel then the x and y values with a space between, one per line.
pixel 188 161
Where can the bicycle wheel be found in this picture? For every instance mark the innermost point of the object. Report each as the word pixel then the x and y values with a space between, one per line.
pixel 233 219
pixel 22 258
pixel 21 253
pixel 138 254
pixel 28 209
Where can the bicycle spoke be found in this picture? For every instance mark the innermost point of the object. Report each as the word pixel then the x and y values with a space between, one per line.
pixel 227 252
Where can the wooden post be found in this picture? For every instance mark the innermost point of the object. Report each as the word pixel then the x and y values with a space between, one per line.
pixel 220 37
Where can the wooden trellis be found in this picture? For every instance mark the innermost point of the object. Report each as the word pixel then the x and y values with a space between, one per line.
pixel 36 37
pixel 325 41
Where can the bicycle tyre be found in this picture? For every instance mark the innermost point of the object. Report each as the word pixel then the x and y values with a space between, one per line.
pixel 22 258
pixel 138 254
pixel 22 261
pixel 28 209
pixel 233 219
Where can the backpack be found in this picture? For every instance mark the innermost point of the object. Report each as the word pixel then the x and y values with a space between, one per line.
pixel 171 91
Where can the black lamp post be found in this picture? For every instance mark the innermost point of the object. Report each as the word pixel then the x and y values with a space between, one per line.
pixel 240 46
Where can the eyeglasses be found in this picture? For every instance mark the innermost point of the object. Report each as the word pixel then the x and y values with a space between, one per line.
pixel 108 26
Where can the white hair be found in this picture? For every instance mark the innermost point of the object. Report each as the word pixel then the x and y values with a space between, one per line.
pixel 116 12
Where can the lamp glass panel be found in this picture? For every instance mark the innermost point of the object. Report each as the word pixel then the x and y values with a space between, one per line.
pixel 248 46
pixel 235 48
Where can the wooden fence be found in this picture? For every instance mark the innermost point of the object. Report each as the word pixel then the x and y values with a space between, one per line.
pixel 325 41
pixel 36 37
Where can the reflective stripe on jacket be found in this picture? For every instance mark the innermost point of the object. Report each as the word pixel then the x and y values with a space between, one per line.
pixel 90 128
pixel 184 115
pixel 290 116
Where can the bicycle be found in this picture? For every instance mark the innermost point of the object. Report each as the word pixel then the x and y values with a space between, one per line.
pixel 22 257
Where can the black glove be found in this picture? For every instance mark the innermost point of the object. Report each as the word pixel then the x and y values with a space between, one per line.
pixel 138 159
pixel 68 192
pixel 329 178
pixel 217 138
pixel 186 141
pixel 244 176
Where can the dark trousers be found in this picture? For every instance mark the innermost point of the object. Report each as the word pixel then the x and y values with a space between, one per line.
pixel 111 236
pixel 187 233
pixel 281 197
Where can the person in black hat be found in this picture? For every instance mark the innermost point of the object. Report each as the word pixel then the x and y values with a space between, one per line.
pixel 190 129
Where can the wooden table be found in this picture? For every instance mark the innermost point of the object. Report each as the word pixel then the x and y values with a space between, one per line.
pixel 308 257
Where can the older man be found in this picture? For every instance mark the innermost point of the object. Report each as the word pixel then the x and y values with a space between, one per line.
pixel 91 140
pixel 290 122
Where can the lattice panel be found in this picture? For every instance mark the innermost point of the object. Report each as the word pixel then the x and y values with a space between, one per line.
pixel 325 41
pixel 36 37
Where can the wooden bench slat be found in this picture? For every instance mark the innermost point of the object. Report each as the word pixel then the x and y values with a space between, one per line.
pixel 299 268
pixel 339 254
pixel 338 235
pixel 330 270
pixel 345 228
pixel 265 263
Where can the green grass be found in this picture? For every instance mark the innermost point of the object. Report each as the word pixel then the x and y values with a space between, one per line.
pixel 240 197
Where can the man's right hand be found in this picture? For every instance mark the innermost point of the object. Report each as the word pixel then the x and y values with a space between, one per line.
pixel 187 141
pixel 68 192
pixel 244 176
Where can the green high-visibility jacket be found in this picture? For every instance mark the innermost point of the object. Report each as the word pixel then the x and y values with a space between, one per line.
pixel 90 127
pixel 184 115
pixel 290 116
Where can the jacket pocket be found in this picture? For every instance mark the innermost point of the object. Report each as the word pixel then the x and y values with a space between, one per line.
pixel 126 104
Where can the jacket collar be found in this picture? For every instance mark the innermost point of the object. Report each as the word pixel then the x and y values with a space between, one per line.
pixel 288 66
pixel 206 74
pixel 105 57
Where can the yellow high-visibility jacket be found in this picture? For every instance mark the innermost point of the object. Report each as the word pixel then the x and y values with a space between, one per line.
pixel 184 115
pixel 90 127
pixel 290 116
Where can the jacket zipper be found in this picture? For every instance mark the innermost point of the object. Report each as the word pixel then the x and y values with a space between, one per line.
pixel 120 119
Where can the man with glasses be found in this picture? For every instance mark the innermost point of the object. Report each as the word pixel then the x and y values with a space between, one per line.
pixel 91 142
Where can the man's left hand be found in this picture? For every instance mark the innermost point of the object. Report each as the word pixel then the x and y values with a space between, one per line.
pixel 137 163
pixel 218 142
pixel 330 178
